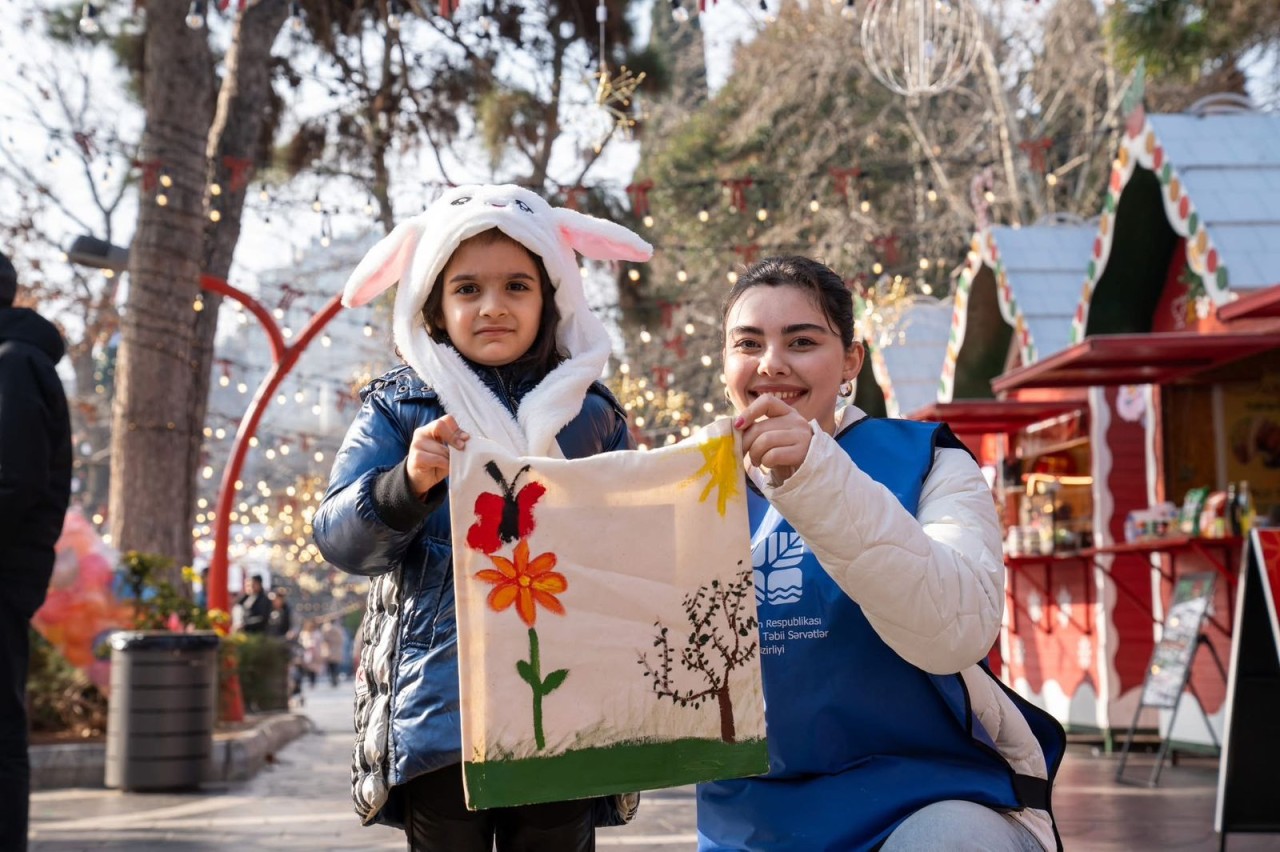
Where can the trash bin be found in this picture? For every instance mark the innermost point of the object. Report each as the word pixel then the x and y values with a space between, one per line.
pixel 162 709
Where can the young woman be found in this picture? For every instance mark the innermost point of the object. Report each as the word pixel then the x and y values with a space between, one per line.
pixel 879 579
pixel 492 320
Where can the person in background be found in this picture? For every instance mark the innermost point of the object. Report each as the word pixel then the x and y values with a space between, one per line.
pixel 885 731
pixel 35 488
pixel 237 608
pixel 257 607
pixel 280 621
pixel 314 652
pixel 335 645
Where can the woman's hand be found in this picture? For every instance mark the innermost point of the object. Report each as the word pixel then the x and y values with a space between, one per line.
pixel 774 435
pixel 428 462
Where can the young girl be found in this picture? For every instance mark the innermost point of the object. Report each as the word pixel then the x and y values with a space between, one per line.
pixel 492 319
pixel 879 581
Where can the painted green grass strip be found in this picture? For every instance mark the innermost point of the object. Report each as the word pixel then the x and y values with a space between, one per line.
pixel 618 768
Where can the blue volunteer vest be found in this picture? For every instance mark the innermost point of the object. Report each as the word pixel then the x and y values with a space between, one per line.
pixel 859 739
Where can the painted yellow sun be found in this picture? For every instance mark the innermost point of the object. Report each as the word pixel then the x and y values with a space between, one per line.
pixel 722 466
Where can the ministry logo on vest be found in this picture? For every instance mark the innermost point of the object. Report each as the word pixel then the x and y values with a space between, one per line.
pixel 776 563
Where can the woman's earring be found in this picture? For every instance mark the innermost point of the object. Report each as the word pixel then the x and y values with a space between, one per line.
pixel 846 389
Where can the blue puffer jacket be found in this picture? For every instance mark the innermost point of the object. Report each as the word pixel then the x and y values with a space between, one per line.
pixel 407 714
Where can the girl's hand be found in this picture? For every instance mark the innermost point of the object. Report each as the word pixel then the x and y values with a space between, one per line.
pixel 428 462
pixel 775 436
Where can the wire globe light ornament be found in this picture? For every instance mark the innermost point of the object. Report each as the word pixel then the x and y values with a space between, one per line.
pixel 920 47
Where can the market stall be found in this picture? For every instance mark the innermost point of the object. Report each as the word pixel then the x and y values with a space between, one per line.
pixel 1015 298
pixel 906 353
pixel 1181 400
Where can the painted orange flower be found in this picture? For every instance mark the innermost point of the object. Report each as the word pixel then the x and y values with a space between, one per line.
pixel 525 583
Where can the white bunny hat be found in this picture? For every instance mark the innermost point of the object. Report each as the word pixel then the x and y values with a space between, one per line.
pixel 416 252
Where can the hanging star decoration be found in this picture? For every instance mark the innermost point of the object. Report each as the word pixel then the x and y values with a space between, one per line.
pixel 614 92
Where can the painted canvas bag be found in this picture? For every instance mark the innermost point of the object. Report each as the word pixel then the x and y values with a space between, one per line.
pixel 607 632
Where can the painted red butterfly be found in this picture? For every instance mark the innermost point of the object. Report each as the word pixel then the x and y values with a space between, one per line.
pixel 503 517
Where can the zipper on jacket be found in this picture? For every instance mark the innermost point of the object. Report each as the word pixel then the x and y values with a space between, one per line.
pixel 508 398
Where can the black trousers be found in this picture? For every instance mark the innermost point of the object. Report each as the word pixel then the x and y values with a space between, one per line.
pixel 437 820
pixel 17 605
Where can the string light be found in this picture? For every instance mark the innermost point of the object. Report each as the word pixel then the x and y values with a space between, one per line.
pixel 678 12
pixel 393 15
pixel 195 14
pixel 704 214
pixel 814 204
pixel 297 20
pixel 849 12
pixel 89 20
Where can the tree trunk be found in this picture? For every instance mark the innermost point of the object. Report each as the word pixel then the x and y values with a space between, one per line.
pixel 232 143
pixel 152 438
pixel 727 731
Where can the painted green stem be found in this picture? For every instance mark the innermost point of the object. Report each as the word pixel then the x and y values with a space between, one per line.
pixel 531 673
pixel 535 664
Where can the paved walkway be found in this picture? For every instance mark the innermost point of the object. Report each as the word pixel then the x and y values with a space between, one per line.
pixel 301 801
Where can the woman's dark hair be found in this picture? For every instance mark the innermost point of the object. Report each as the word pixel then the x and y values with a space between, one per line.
pixel 542 353
pixel 824 286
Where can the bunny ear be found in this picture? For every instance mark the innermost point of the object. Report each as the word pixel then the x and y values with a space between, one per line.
pixel 383 266
pixel 600 239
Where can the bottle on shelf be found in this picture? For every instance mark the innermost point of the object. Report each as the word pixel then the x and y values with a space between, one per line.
pixel 1245 510
pixel 1231 511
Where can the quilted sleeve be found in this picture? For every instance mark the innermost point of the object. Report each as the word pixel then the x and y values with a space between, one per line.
pixel 931 586
pixel 348 529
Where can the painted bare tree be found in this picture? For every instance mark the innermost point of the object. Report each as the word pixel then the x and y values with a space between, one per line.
pixel 722 637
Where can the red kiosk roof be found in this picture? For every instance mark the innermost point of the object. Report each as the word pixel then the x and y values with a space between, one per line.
pixel 1134 359
pixel 1263 304
pixel 994 415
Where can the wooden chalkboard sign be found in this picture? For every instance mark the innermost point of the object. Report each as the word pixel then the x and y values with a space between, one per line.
pixel 1169 671
pixel 1247 770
